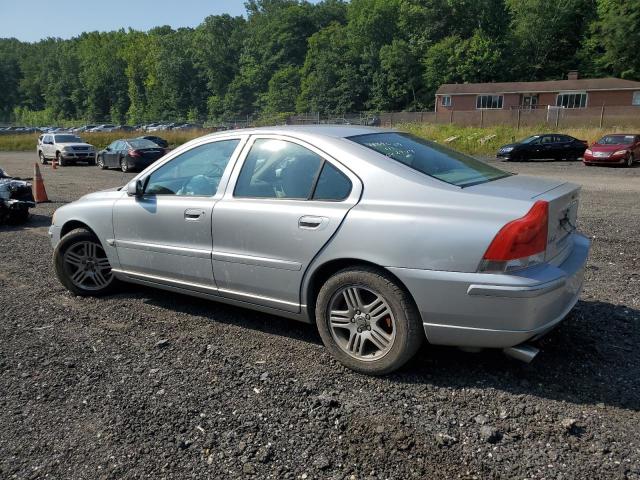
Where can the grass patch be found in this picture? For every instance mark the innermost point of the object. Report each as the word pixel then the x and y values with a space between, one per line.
pixel 476 141
pixel 26 142
pixel 472 140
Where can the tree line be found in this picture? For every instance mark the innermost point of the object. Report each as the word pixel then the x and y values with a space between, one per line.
pixel 330 57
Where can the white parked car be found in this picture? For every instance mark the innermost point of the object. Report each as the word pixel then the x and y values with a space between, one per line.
pixel 65 148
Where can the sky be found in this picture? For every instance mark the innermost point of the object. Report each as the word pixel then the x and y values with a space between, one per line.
pixel 33 20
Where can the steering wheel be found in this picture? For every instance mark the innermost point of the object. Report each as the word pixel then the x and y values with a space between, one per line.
pixel 203 184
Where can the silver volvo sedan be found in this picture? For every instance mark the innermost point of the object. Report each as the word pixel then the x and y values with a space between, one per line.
pixel 384 239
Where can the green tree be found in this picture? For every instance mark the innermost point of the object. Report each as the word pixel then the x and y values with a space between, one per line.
pixel 614 40
pixel 284 88
pixel 328 82
pixel 545 36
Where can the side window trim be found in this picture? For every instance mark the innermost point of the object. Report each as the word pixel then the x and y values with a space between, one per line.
pixel 244 154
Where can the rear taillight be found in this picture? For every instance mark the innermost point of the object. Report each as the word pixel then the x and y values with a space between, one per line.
pixel 134 153
pixel 520 243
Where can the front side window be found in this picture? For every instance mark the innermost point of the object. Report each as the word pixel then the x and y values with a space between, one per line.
pixel 196 172
pixel 489 101
pixel 446 101
pixel 572 100
pixel 636 99
pixel 431 158
pixel 278 169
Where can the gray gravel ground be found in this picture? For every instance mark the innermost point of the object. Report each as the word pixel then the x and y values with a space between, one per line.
pixel 158 385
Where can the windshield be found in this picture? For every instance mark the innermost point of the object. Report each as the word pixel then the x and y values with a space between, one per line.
pixel 616 140
pixel 142 143
pixel 431 158
pixel 67 138
pixel 530 139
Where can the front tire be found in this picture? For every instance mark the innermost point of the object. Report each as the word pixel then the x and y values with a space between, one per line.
pixel 124 165
pixel 100 163
pixel 60 160
pixel 367 321
pixel 82 265
pixel 629 161
pixel 43 160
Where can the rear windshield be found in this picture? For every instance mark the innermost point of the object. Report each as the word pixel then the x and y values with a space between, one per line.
pixel 142 143
pixel 431 158
pixel 67 139
pixel 616 140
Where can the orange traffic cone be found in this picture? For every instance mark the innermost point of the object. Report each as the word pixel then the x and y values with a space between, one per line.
pixel 54 164
pixel 39 193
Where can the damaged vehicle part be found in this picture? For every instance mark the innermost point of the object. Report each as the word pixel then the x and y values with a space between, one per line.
pixel 16 197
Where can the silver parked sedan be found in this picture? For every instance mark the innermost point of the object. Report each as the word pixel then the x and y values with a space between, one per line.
pixel 383 239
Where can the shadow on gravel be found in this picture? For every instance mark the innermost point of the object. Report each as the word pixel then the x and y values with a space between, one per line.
pixel 34 221
pixel 591 358
pixel 229 314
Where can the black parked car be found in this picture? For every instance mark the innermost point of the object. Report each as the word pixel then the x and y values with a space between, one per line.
pixel 161 142
pixel 129 154
pixel 548 145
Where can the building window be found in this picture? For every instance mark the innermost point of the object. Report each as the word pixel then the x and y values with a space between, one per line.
pixel 446 100
pixel 489 101
pixel 636 99
pixel 571 100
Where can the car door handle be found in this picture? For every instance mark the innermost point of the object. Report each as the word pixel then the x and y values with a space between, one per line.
pixel 311 223
pixel 193 214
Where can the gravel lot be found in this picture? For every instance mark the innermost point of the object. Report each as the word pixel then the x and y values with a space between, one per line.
pixel 154 384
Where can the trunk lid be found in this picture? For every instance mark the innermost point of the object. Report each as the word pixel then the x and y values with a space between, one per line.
pixel 151 153
pixel 563 199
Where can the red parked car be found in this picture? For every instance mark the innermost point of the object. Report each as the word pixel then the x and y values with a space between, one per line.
pixel 616 149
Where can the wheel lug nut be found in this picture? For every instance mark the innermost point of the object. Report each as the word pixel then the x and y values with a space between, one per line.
pixel 358 312
pixel 353 320
pixel 368 327
pixel 368 317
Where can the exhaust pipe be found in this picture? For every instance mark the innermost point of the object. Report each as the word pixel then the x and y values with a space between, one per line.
pixel 523 352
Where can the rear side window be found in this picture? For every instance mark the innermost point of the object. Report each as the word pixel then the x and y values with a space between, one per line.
pixel 278 169
pixel 332 184
pixel 431 158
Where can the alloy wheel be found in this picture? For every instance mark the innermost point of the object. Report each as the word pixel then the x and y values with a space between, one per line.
pixel 361 322
pixel 87 266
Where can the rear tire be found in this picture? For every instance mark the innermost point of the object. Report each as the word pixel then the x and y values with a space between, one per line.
pixel 82 266
pixel 375 330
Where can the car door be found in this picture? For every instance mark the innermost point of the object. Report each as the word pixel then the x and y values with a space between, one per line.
pixel 164 234
pixel 535 149
pixel 275 216
pixel 565 146
pixel 107 155
pixel 549 146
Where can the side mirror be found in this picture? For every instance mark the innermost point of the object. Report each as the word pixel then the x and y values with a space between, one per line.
pixel 135 189
pixel 108 149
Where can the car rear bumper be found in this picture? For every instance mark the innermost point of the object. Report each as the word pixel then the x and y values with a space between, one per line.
pixel 495 310
pixel 141 163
